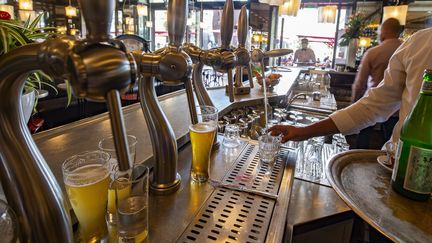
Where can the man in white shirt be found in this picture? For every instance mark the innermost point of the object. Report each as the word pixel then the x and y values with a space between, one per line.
pixel 304 56
pixel 398 90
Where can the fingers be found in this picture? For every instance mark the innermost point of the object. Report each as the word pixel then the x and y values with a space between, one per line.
pixel 280 130
pixel 277 130
pixel 284 139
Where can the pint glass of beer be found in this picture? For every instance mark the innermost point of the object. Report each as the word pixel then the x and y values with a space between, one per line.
pixel 202 136
pixel 86 177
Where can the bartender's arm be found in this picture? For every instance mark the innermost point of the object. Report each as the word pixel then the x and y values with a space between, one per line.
pixel 360 83
pixel 292 133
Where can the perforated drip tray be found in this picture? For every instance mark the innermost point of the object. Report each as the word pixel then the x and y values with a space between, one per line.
pixel 231 216
pixel 235 216
pixel 248 173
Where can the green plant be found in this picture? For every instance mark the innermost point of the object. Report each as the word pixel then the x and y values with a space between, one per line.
pixel 13 34
pixel 354 28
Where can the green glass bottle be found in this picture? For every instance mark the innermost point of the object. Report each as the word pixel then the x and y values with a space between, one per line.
pixel 412 175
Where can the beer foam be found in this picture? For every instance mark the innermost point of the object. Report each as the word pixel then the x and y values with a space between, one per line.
pixel 202 127
pixel 87 175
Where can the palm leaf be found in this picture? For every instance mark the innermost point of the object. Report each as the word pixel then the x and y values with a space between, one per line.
pixel 68 92
pixel 27 23
pixel 19 37
pixel 4 39
pixel 35 22
pixel 10 24
pixel 51 86
pixel 41 73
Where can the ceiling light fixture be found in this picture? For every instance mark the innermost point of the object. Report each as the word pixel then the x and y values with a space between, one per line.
pixel 327 14
pixel 397 12
pixel 289 8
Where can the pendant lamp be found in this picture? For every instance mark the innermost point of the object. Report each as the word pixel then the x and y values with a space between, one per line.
pixel 397 12
pixel 289 8
pixel 327 14
pixel 70 11
pixel 25 4
pixel 272 2
pixel 142 10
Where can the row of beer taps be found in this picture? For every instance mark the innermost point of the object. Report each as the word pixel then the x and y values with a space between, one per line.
pixel 99 68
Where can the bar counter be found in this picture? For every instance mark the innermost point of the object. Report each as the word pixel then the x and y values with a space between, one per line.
pixel 310 203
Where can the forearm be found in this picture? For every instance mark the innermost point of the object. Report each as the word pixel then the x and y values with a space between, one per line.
pixel 321 128
pixel 295 133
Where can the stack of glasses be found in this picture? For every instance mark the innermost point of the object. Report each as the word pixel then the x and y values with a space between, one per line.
pixel 312 157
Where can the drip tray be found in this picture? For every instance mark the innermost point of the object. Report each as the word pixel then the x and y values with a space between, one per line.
pixel 236 216
pixel 230 216
pixel 247 173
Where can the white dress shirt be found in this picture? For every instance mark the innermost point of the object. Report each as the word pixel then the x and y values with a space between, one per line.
pixel 398 90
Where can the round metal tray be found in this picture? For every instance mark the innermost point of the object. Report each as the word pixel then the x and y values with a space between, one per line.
pixel 365 186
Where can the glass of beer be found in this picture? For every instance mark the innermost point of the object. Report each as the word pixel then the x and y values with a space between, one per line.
pixel 202 136
pixel 86 176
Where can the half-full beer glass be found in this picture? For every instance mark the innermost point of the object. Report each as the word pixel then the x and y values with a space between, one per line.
pixel 202 136
pixel 86 177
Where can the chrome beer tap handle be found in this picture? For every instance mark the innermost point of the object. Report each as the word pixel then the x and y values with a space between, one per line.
pixel 99 82
pixel 227 25
pixel 174 67
pixel 97 68
pixel 243 55
pixel 28 183
pixel 259 56
pixel 222 59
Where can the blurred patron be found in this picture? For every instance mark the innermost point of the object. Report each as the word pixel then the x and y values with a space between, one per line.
pixel 304 56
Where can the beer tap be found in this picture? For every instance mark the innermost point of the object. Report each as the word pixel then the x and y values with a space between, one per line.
pixel 98 68
pixel 222 59
pixel 258 56
pixel 173 66
pixel 239 58
pixel 243 55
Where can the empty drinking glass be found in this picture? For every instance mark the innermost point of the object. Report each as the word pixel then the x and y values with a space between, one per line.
pixel 268 150
pixel 314 163
pixel 130 200
pixel 8 223
pixel 231 136
pixel 300 158
pixel 107 145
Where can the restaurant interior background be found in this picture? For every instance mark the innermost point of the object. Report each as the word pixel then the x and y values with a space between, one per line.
pixel 142 25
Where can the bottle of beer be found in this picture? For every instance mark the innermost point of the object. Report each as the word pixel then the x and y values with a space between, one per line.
pixel 412 175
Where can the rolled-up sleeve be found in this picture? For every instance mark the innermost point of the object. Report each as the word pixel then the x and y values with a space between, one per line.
pixel 379 103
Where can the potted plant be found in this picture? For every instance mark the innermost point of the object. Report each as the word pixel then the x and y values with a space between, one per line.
pixel 353 30
pixel 13 34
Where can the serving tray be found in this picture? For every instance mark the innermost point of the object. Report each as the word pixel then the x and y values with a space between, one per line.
pixel 365 186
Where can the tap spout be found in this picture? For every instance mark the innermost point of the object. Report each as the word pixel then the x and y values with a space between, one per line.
pixel 294 97
pixel 201 92
pixel 29 185
pixel 165 178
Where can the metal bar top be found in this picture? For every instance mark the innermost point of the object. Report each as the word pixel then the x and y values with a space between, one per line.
pixel 58 144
